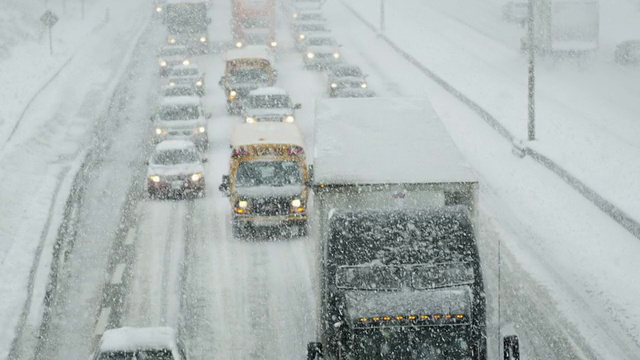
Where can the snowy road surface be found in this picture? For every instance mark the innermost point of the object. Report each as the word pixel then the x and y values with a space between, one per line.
pixel 132 261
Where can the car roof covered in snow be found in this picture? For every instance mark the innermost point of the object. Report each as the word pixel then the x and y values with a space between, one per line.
pixel 167 145
pixel 266 133
pixel 175 47
pixel 186 1
pixel 183 67
pixel 249 52
pixel 268 90
pixel 180 100
pixel 384 141
pixel 129 339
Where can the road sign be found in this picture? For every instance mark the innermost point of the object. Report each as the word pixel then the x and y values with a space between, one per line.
pixel 49 18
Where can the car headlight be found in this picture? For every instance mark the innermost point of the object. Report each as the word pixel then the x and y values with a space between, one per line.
pixel 159 9
pixel 186 62
pixel 363 85
pixel 163 63
pixel 296 203
pixel 274 44
pixel 154 178
pixel 334 85
pixel 310 55
pixel 232 94
pixel 243 204
pixel 202 129
pixel 301 36
pixel 295 15
pixel 250 120
pixel 171 83
pixel 199 83
pixel 158 131
pixel 239 44
pixel 336 55
pixel 289 119
pixel 171 40
pixel 203 39
pixel 196 177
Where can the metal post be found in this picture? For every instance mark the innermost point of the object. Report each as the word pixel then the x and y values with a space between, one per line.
pixel 531 125
pixel 50 41
pixel 382 15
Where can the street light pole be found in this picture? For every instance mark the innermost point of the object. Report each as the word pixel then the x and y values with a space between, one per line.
pixel 381 15
pixel 531 124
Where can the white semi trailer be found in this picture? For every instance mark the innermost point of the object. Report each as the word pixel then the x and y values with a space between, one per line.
pixel 398 273
pixel 565 27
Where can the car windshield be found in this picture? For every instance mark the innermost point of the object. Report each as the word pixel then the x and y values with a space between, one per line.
pixel 163 354
pixel 173 51
pixel 249 75
pixel 346 71
pixel 175 157
pixel 322 41
pixel 399 239
pixel 269 102
pixel 268 173
pixel 406 343
pixel 184 72
pixel 180 112
pixel 179 91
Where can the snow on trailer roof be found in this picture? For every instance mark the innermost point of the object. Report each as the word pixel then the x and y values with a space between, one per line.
pixel 384 141
pixel 186 1
pixel 250 52
pixel 130 339
pixel 270 90
pixel 266 133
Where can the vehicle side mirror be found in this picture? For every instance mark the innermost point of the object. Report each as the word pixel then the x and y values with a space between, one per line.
pixel 204 160
pixel 208 20
pixel 224 186
pixel 151 117
pixel 297 106
pixel 208 115
pixel 221 81
pixel 310 170
pixel 146 162
pixel 511 346
pixel 314 351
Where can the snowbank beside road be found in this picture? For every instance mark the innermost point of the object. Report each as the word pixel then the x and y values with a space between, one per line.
pixel 586 117
pixel 50 140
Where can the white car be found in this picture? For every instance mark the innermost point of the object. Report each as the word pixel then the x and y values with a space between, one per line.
pixel 321 51
pixel 170 56
pixel 175 169
pixel 307 15
pixel 140 343
pixel 345 76
pixel 181 117
pixel 269 104
pixel 187 75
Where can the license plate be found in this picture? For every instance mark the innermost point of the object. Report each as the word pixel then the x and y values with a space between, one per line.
pixel 176 185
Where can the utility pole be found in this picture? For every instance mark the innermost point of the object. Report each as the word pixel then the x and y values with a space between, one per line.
pixel 381 15
pixel 531 124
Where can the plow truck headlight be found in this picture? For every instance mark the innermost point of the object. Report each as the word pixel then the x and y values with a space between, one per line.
pixel 155 178
pixel 243 204
pixel 334 85
pixel 199 83
pixel 311 55
pixel 195 177
pixel 186 62
pixel 336 55
pixel 163 63
pixel 289 119
pixel 239 44
pixel 363 85
pixel 203 39
pixel 296 203
pixel 250 120
pixel 274 44
pixel 233 94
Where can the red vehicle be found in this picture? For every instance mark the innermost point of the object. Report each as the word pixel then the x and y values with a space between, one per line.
pixel 254 23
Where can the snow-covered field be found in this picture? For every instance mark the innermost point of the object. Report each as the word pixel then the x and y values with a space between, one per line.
pixel 567 269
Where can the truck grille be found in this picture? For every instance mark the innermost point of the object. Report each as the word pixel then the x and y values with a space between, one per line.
pixel 271 206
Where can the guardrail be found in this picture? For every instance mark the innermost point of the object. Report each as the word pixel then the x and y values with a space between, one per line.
pixel 606 206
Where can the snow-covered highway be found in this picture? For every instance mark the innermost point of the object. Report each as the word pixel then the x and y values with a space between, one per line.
pixel 566 271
